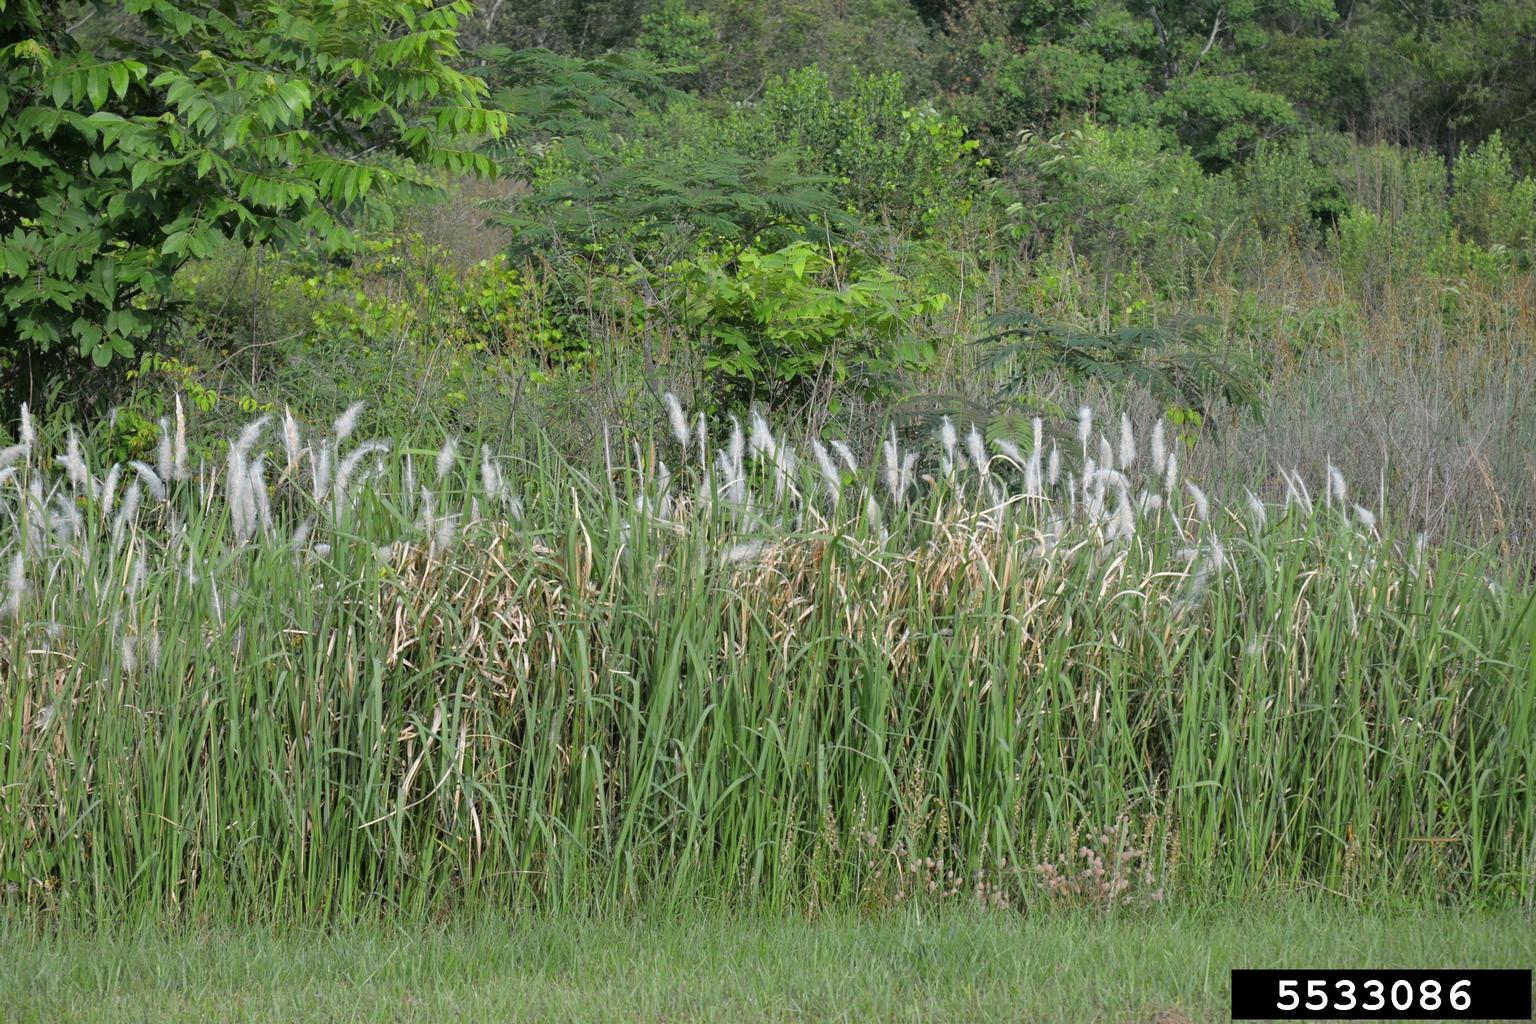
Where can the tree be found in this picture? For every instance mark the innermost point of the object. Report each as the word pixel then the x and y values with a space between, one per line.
pixel 136 136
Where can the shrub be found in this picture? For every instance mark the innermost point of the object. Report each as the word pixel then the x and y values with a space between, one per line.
pixel 1126 196
pixel 777 325
pixel 1490 204
pixel 1289 193
pixel 910 164
pixel 1221 118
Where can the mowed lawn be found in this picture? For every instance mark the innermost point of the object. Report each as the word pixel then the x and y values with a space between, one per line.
pixel 1165 966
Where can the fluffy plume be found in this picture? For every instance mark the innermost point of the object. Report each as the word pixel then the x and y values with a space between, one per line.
pixel 261 502
pixel 737 446
pixel 107 495
pixel 179 468
pixel 15 588
pixel 761 439
pixel 1127 442
pixel 892 467
pixel 1159 448
pixel 908 464
pixel 491 480
pixel 1255 509
pixel 291 443
pixel 237 481
pixel 164 461
pixel 74 465
pixel 948 438
pixel 831 478
pixel 1124 526
pixel 321 476
pixel 977 450
pixel 677 419
pixel 349 465
pixel 1084 427
pixel 250 435
pixel 1335 489
pixel 1010 451
pixel 346 423
pixel 1202 504
pixel 150 479
pixel 445 458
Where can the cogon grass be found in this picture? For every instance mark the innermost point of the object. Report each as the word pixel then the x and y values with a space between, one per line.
pixel 339 688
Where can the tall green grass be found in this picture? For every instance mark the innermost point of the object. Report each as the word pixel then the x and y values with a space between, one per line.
pixel 469 679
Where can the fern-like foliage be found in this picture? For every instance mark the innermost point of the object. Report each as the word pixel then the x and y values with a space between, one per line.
pixel 649 204
pixel 1176 362
pixel 573 99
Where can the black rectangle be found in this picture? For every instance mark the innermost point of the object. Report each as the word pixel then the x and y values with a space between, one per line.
pixel 1452 994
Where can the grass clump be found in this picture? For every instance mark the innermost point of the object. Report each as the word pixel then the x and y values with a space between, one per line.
pixel 323 677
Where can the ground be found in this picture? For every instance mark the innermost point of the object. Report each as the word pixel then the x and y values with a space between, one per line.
pixel 1164 966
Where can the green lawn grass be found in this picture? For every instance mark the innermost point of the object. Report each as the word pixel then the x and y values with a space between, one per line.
pixel 1164 966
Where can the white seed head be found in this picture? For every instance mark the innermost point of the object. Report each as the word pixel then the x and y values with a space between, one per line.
pixel 179 468
pixel 164 460
pixel 349 465
pixel 1127 442
pixel 1255 509
pixel 831 478
pixel 107 495
pixel 1335 491
pixel 908 464
pixel 1010 451
pixel 846 454
pixel 445 457
pixel 1202 505
pixel 738 445
pixel 260 500
pixel 321 475
pixel 250 435
pixel 1084 426
pixel 150 479
pixel 74 465
pixel 760 439
pixel 677 419
pixel 347 422
pixel 976 449
pixel 15 588
pixel 291 441
pixel 442 539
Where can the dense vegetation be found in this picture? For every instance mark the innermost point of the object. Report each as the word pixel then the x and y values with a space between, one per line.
pixel 934 634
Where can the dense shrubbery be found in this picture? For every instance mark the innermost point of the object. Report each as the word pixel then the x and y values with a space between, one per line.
pixel 129 148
